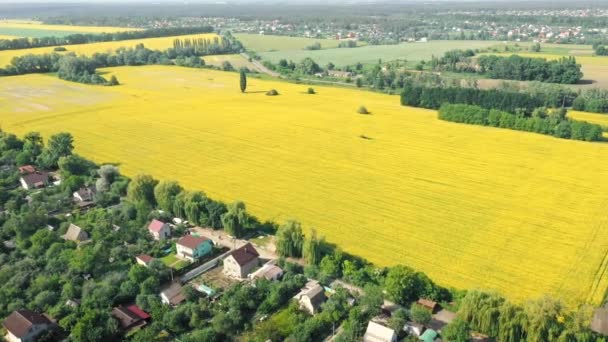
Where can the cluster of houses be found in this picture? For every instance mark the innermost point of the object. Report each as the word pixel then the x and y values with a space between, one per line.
pixel 33 179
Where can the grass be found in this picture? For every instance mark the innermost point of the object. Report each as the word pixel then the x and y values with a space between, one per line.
pixel 265 43
pixel 37 30
pixel 174 262
pixel 472 206
pixel 372 53
pixel 236 60
pixel 160 43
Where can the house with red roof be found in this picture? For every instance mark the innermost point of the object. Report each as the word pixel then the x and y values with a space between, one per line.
pixel 130 317
pixel 240 262
pixel 26 169
pixel 192 247
pixel 143 259
pixel 159 229
pixel 25 325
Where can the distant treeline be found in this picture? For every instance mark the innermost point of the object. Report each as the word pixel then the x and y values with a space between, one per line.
pixel 514 67
pixel 80 38
pixel 83 69
pixel 510 101
pixel 543 121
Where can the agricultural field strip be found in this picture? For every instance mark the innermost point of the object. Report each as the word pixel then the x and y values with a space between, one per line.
pixel 374 53
pixel 51 30
pixel 471 206
pixel 159 43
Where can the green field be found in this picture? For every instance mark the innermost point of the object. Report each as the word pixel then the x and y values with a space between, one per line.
pixel 35 33
pixel 372 53
pixel 266 43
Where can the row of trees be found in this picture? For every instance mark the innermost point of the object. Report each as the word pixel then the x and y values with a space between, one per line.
pixel 540 320
pixel 83 68
pixel 543 121
pixel 80 38
pixel 433 97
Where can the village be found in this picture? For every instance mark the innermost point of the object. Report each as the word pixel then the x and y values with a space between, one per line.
pixel 208 261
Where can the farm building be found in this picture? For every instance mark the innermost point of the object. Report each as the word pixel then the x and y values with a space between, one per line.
pixel 240 262
pixel 311 296
pixel 379 333
pixel 159 230
pixel 34 180
pixel 25 325
pixel 192 247
pixel 75 234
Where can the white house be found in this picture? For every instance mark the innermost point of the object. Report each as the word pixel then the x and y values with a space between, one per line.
pixel 25 326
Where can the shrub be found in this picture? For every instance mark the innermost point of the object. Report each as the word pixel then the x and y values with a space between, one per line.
pixel 311 91
pixel 363 110
pixel 272 92
pixel 60 49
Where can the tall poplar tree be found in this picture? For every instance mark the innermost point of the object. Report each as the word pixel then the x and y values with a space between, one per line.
pixel 243 81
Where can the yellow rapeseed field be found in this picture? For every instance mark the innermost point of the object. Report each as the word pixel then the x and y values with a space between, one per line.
pixel 160 43
pixel 472 206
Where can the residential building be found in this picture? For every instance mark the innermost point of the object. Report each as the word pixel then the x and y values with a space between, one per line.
pixel 379 333
pixel 75 234
pixel 268 272
pixel 240 262
pixel 25 325
pixel 159 230
pixel 34 180
pixel 172 295
pixel 85 194
pixel 311 296
pixel 143 259
pixel 130 317
pixel 192 247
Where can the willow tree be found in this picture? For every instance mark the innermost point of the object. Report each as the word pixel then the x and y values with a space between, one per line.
pixel 290 239
pixel 165 193
pixel 312 249
pixel 236 219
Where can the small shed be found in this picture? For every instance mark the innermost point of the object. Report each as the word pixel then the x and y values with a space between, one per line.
pixel 429 304
pixel 429 335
